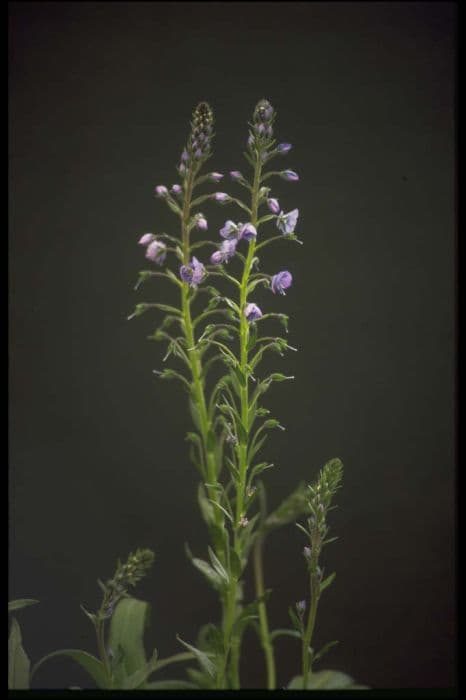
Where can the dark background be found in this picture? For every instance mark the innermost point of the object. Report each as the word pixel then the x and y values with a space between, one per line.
pixel 100 99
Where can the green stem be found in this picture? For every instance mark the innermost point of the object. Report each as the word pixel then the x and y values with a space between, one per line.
pixel 263 622
pixel 100 634
pixel 310 627
pixel 193 354
pixel 205 424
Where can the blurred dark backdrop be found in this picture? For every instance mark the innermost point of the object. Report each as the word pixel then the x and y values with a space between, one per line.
pixel 100 99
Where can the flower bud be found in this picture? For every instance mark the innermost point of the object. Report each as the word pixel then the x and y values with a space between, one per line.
pixel 221 197
pixel 289 175
pixel 176 189
pixel 215 177
pixel 201 222
pixel 284 148
pixel 146 239
pixel 161 191
pixel 301 608
pixel 273 205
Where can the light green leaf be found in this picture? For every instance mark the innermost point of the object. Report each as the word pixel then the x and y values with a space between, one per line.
pixel 325 680
pixel 20 603
pixel 138 678
pixel 289 510
pixel 18 662
pixel 93 666
pixel 127 633
pixel 327 581
pixel 285 633
pixel 169 685
pixel 201 656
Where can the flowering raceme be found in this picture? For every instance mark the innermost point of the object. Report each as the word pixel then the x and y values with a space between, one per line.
pixel 217 320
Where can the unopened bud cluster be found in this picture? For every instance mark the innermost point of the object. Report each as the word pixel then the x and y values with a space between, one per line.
pixel 125 576
pixel 320 498
pixel 199 143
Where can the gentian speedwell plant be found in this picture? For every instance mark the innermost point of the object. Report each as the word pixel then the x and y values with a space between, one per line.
pixel 217 336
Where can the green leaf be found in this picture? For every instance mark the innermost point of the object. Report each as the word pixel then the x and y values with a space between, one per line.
pixel 127 633
pixel 327 581
pixel 204 505
pixel 285 633
pixel 289 510
pixel 18 662
pixel 325 680
pixel 235 564
pixel 169 685
pixel 211 575
pixel 93 666
pixel 195 415
pixel 218 566
pixel 295 621
pixel 138 678
pixel 324 650
pixel 201 656
pixel 20 603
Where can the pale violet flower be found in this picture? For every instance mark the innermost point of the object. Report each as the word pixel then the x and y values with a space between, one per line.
pixel 157 252
pixel 226 251
pixel 192 273
pixel 252 312
pixel 248 232
pixel 229 230
pixel 281 281
pixel 287 222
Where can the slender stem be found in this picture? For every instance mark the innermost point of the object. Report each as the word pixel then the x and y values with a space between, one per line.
pixel 315 591
pixel 263 622
pixel 196 370
pixel 100 634
pixel 205 425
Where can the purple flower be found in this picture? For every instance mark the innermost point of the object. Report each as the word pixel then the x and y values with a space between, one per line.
pixel 250 140
pixel 193 272
pixel 221 197
pixel 252 312
pixel 268 131
pixel 182 169
pixel 260 129
pixel 284 148
pixel 176 189
pixel 215 177
pixel 226 251
pixel 157 252
pixel 290 175
pixel 161 191
pixel 146 239
pixel 236 175
pixel 247 231
pixel 201 222
pixel 281 281
pixel 287 222
pixel 198 154
pixel 184 156
pixel 307 553
pixel 273 205
pixel 229 230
